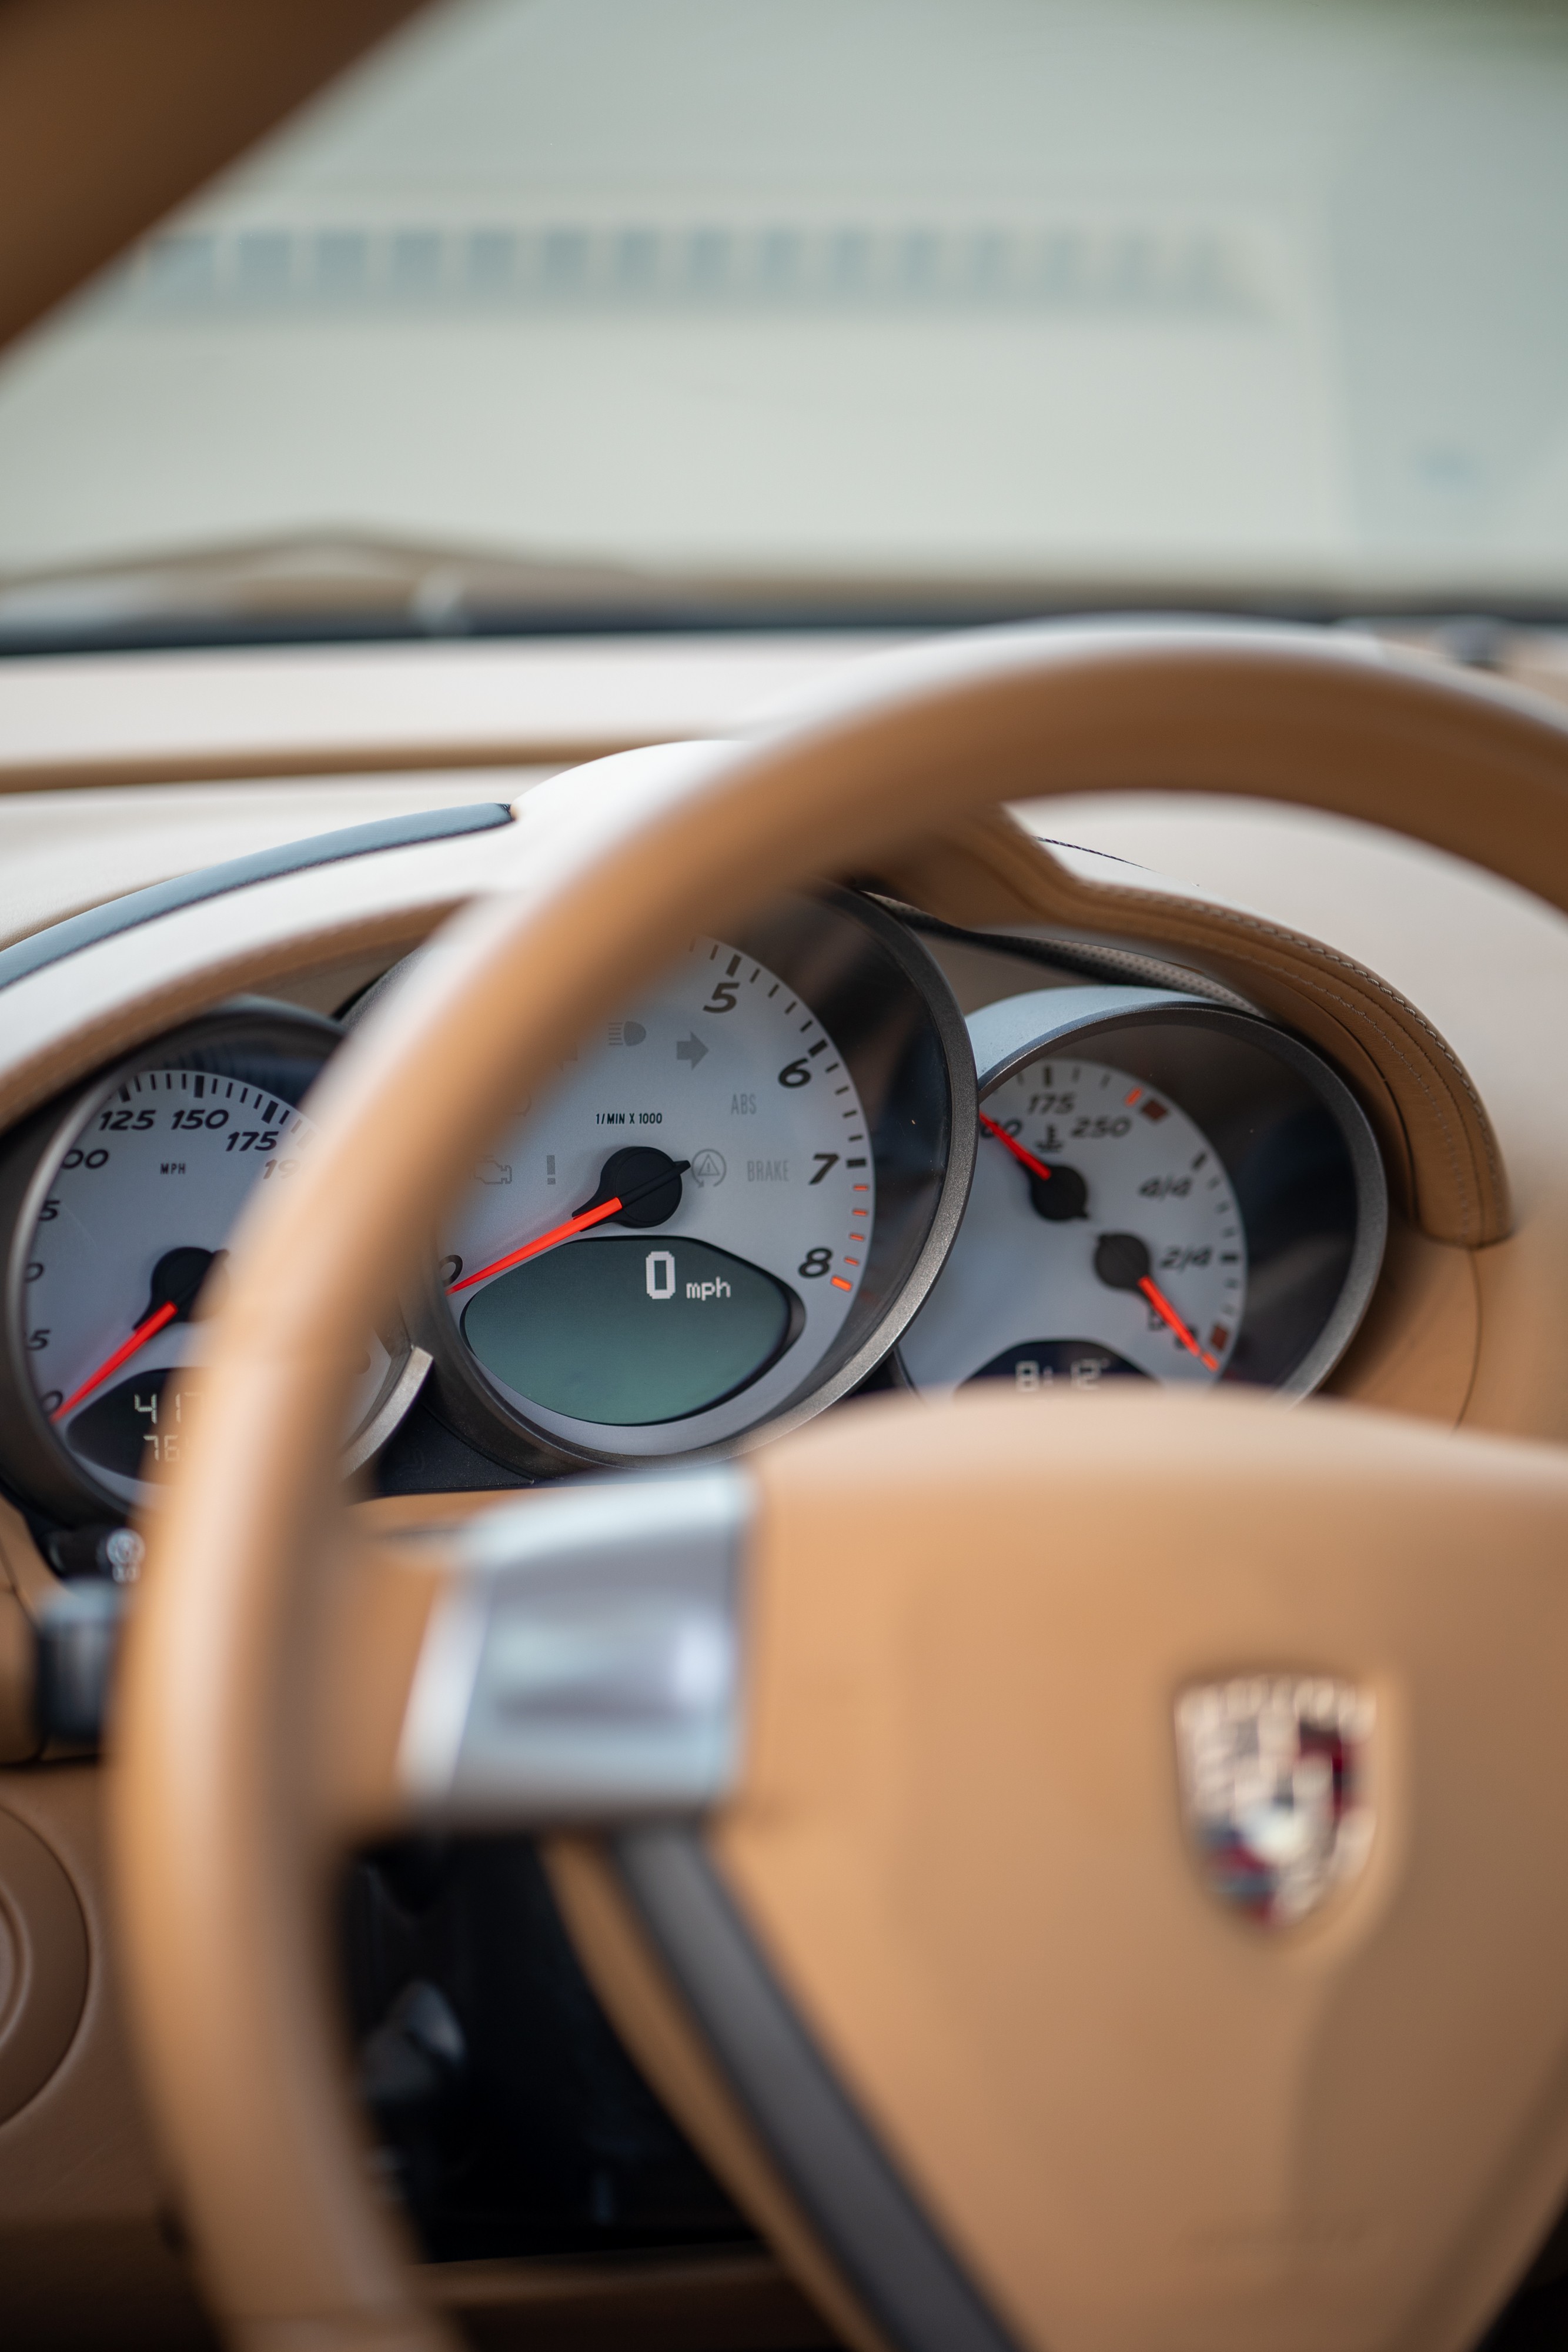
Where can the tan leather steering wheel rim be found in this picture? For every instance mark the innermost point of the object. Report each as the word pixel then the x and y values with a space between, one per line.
pixel 220 1870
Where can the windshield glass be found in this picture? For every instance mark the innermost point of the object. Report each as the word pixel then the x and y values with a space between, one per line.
pixel 843 306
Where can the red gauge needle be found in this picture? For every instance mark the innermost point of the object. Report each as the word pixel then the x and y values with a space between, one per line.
pixel 579 1224
pixel 1036 1167
pixel 1122 1263
pixel 1167 1313
pixel 123 1355
pixel 593 1216
pixel 178 1279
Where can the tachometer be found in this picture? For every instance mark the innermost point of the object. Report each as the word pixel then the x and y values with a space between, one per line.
pixel 726 1205
pixel 1164 1191
pixel 124 1204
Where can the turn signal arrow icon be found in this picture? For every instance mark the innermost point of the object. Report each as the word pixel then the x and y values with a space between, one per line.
pixel 691 1049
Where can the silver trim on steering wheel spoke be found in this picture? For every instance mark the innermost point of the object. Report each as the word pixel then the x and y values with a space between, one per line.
pixel 586 1664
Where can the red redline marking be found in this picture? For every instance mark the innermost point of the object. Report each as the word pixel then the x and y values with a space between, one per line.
pixel 851 1261
pixel 1036 1167
pixel 532 1249
pixel 860 1188
pixel 143 1333
pixel 1132 1099
pixel 839 1283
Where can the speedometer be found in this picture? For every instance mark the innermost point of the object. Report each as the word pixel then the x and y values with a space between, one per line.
pixel 123 1206
pixel 726 1206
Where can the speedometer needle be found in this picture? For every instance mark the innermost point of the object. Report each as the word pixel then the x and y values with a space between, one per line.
pixel 123 1355
pixel 595 1215
pixel 1036 1167
pixel 177 1280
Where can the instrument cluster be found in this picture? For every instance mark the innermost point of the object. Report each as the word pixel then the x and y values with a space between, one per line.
pixel 789 1169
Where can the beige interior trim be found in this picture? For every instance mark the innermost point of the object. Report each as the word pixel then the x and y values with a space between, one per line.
pixel 220 1915
pixel 112 112
pixel 22 1567
pixel 69 721
pixel 43 1960
pixel 1444 1165
pixel 378 1516
pixel 65 853
pixel 653 2022
pixel 70 1017
pixel 1419 1344
pixel 83 2203
pixel 710 2302
pixel 19 1722
pixel 373 1613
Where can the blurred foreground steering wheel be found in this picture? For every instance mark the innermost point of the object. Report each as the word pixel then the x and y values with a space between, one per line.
pixel 897 1910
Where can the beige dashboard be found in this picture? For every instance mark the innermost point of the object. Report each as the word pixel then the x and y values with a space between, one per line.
pixel 1454 1333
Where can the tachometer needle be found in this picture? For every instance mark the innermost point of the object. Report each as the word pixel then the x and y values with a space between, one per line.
pixel 123 1355
pixel 1036 1167
pixel 573 1225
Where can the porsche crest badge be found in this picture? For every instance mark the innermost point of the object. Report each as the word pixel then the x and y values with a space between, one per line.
pixel 1275 1784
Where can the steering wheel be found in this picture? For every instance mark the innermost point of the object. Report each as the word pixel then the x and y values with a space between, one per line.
pixel 869 1823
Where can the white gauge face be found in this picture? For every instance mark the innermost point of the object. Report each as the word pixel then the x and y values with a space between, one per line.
pixel 1121 1252
pixel 720 1113
pixel 141 1204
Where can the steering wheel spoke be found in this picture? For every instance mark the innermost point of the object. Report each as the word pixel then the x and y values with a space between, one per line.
pixel 570 1658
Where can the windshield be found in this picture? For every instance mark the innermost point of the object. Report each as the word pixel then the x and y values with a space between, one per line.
pixel 855 307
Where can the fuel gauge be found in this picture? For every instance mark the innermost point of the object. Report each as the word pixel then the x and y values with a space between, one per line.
pixel 1103 1240
pixel 1164 1191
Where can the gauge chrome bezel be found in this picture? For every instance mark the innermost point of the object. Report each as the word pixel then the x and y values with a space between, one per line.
pixel 462 1394
pixel 34 1457
pixel 1006 1036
